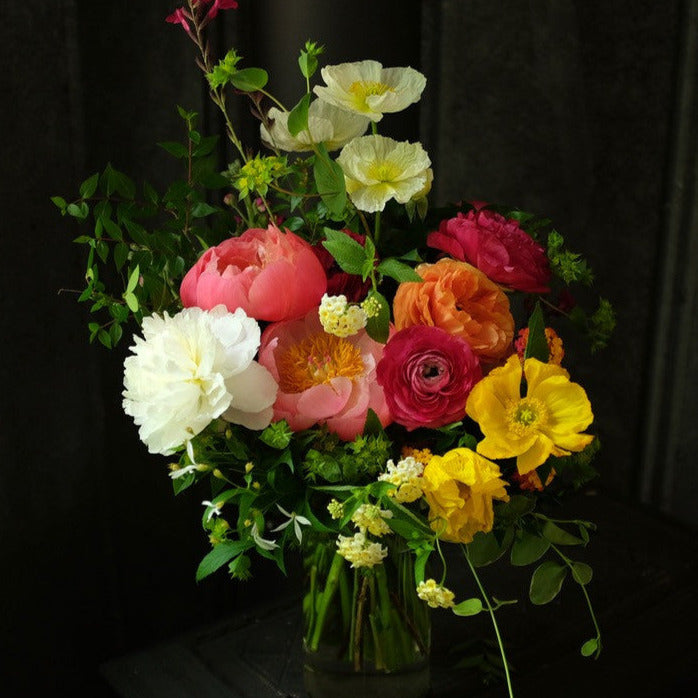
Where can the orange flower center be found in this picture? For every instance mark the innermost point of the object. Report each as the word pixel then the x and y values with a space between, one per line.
pixel 316 360
pixel 526 414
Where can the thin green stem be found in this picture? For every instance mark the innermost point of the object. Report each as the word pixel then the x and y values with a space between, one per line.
pixel 486 599
pixel 377 228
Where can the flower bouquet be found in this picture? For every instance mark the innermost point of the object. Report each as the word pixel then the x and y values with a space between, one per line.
pixel 355 377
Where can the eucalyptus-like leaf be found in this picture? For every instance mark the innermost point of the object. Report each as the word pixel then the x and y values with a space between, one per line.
pixel 250 79
pixel 582 573
pixel 485 548
pixel 469 607
pixel 546 582
pixel 590 647
pixel 527 548
pixel 558 536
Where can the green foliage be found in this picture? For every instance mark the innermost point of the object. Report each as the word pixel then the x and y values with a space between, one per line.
pixel 307 61
pixel 569 266
pixel 537 344
pixel 546 582
pixel 224 71
pixel 329 179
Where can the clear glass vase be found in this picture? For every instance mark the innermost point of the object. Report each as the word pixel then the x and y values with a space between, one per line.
pixel 366 632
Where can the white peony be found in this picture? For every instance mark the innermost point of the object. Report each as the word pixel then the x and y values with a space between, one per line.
pixel 191 368
pixel 367 88
pixel 377 169
pixel 327 124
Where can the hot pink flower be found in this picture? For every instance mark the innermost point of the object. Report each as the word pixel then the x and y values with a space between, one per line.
pixel 427 375
pixel 270 274
pixel 497 246
pixel 220 5
pixel 179 16
pixel 323 379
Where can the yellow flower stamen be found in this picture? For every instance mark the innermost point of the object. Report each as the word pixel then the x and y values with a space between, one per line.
pixel 526 414
pixel 316 360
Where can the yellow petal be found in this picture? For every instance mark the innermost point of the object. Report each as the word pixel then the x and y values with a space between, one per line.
pixel 541 448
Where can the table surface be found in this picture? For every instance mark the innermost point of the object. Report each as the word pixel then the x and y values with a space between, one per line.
pixel 644 592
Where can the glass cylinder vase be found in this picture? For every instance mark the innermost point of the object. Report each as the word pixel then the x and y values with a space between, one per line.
pixel 366 632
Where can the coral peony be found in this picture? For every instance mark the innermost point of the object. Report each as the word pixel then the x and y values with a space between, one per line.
pixel 270 274
pixel 426 375
pixel 497 246
pixel 459 488
pixel 323 379
pixel 461 300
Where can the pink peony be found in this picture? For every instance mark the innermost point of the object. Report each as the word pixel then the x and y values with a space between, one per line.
pixel 427 375
pixel 497 246
pixel 323 379
pixel 340 283
pixel 270 274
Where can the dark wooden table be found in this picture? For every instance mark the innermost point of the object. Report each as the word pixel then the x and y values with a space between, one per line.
pixel 645 593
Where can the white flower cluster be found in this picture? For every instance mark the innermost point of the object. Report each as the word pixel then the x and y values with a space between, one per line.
pixel 339 317
pixel 406 476
pixel 371 518
pixel 435 595
pixel 359 551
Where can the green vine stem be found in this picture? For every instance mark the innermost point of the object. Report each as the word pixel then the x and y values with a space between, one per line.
pixel 570 564
pixel 486 599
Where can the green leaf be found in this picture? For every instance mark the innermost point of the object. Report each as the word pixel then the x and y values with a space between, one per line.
pixel 250 79
pixel 104 338
pixel 89 186
pixel 203 209
pixel 60 202
pixel 118 182
pixel 176 149
pixel 131 301
pixel 378 326
pixel 120 255
pixel 546 582
pixel 469 607
pixel 348 253
pixel 582 573
pixel 112 228
pixel 559 536
pixel 398 270
pixel 590 647
pixel 219 556
pixel 79 211
pixel 329 179
pixel 537 344
pixel 115 332
pixel 205 146
pixel 527 548
pixel 485 548
pixel 133 279
pixel 298 116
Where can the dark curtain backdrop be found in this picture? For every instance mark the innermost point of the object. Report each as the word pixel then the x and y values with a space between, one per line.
pixel 579 110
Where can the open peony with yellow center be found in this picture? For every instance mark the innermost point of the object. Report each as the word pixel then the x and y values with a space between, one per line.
pixel 367 88
pixel 323 379
pixel 459 488
pixel 377 169
pixel 191 368
pixel 548 420
pixel 326 124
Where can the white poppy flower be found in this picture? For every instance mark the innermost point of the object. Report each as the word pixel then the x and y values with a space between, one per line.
pixel 191 368
pixel 367 88
pixel 327 124
pixel 377 169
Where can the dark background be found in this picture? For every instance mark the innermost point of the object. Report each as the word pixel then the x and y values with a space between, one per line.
pixel 581 110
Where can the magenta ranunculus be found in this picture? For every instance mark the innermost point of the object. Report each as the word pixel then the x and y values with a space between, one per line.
pixel 427 375
pixel 497 246
pixel 270 274
pixel 323 379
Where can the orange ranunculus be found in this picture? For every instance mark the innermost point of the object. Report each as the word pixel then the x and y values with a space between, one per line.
pixel 459 488
pixel 460 299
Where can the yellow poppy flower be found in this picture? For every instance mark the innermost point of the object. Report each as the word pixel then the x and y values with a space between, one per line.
pixel 459 488
pixel 548 420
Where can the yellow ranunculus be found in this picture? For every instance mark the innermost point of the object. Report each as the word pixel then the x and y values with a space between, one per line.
pixel 548 420
pixel 459 487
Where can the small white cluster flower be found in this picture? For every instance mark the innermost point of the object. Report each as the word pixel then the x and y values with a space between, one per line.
pixel 372 518
pixel 435 595
pixel 406 476
pixel 359 551
pixel 340 318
